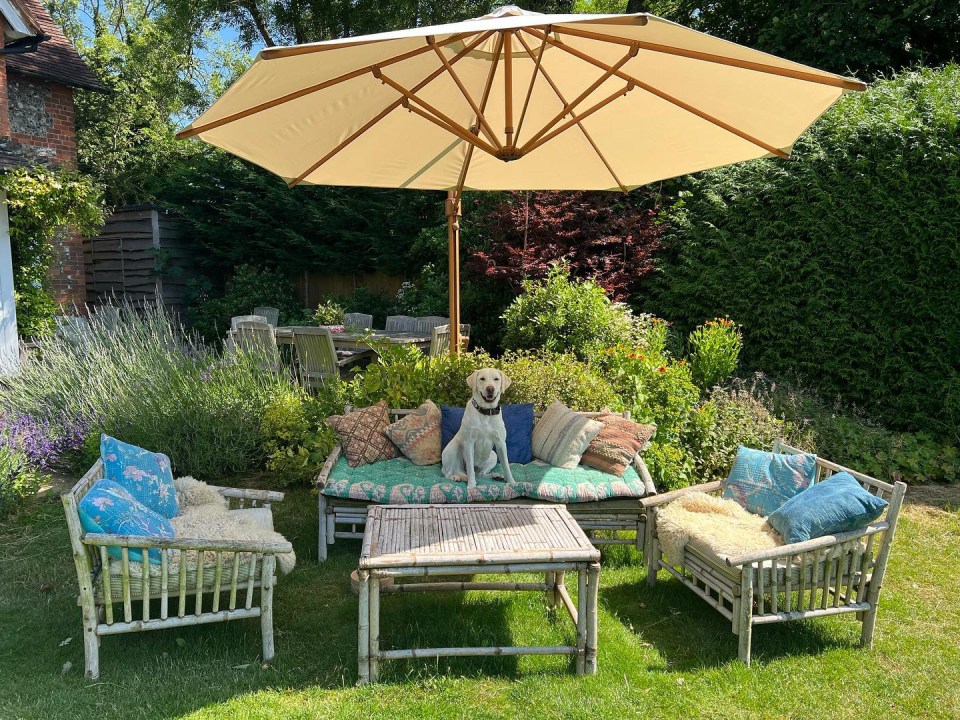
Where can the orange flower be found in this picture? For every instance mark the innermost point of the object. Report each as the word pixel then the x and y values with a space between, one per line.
pixel 661 369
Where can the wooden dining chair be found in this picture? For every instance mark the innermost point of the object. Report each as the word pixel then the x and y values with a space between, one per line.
pixel 270 314
pixel 440 339
pixel 257 338
pixel 358 321
pixel 429 322
pixel 237 319
pixel 317 358
pixel 400 323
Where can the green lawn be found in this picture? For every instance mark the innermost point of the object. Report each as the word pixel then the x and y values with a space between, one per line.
pixel 663 652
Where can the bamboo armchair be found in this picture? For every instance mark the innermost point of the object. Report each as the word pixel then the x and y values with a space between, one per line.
pixel 239 568
pixel 830 575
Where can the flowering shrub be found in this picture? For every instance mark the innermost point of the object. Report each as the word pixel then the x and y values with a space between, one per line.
pixel 328 312
pixel 714 350
pixel 296 438
pixel 48 444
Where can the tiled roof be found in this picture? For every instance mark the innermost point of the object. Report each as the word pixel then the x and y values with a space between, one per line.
pixel 56 59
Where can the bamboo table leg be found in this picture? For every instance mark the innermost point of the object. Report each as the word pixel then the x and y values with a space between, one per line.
pixel 363 629
pixel 374 610
pixel 581 618
pixel 593 585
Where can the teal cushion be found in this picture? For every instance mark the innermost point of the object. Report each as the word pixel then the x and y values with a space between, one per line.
pixel 109 508
pixel 399 481
pixel 146 475
pixel 838 504
pixel 763 481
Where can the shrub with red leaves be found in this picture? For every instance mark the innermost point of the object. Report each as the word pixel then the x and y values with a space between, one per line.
pixel 606 236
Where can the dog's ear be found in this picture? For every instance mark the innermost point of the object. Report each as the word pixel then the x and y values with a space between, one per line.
pixel 472 380
pixel 505 382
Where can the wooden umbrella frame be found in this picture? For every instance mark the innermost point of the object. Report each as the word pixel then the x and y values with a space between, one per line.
pixel 481 135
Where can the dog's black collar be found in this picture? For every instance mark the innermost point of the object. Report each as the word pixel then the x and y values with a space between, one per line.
pixel 486 411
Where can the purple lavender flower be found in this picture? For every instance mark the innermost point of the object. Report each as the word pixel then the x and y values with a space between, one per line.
pixel 45 441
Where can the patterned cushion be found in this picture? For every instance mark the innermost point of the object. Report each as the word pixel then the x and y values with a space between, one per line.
pixel 362 434
pixel 518 420
pixel 418 434
pixel 617 444
pixel 401 482
pixel 109 508
pixel 146 475
pixel 763 481
pixel 561 436
pixel 838 504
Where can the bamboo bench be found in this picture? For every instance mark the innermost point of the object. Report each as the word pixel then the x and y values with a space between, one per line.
pixel 621 519
pixel 229 573
pixel 830 575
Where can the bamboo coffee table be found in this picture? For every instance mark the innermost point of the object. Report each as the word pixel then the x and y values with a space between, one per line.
pixel 408 541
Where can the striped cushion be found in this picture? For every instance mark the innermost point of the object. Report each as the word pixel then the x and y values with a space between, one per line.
pixel 561 436
pixel 617 444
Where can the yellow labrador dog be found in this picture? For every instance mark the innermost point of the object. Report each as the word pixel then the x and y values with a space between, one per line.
pixel 482 437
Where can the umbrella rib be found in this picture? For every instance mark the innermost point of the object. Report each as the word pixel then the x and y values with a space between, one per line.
pixel 190 130
pixel 580 98
pixel 586 134
pixel 432 113
pixel 533 79
pixel 662 95
pixel 467 96
pixel 388 109
pixel 576 120
pixel 833 81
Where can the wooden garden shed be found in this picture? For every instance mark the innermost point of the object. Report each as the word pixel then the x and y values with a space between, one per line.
pixel 143 253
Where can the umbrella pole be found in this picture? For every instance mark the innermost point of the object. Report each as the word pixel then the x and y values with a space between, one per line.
pixel 453 259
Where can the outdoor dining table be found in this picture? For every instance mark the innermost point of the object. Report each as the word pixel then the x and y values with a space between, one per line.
pixel 348 339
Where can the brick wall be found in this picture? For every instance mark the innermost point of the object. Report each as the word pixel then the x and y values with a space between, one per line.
pixel 40 114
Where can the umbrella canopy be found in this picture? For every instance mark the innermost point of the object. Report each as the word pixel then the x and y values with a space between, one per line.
pixel 515 100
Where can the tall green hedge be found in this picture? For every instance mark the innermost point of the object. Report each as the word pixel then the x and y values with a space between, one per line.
pixel 843 262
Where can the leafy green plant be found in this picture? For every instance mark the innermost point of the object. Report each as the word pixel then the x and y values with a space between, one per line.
pixel 18 478
pixel 42 203
pixel 562 315
pixel 249 287
pixel 714 350
pixel 542 378
pixel 328 312
pixel 296 438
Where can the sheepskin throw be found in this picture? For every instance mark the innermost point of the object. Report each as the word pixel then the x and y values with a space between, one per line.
pixel 362 434
pixel 712 525
pixel 196 492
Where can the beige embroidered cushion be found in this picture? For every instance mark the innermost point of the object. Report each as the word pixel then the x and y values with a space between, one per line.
pixel 361 434
pixel 418 434
pixel 561 436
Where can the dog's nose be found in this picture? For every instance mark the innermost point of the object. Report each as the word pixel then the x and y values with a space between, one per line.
pixel 489 389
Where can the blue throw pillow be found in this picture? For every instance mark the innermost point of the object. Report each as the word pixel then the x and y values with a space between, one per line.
pixel 109 508
pixel 146 475
pixel 518 419
pixel 763 481
pixel 838 504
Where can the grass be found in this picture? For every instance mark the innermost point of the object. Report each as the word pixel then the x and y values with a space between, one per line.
pixel 663 652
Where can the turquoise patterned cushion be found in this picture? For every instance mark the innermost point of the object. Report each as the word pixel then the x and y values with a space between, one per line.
pixel 399 482
pixel 146 475
pixel 763 481
pixel 838 504
pixel 109 508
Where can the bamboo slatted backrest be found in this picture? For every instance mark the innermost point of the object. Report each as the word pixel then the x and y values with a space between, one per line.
pixel 359 321
pixel 428 323
pixel 316 355
pixel 400 323
pixel 440 339
pixel 236 320
pixel 270 314
pixel 825 469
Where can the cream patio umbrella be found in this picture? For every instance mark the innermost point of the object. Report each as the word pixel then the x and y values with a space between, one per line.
pixel 515 100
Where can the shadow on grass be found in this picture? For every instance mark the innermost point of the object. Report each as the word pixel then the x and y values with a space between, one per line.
pixel 689 634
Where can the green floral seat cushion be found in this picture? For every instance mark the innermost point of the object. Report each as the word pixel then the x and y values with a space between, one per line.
pixel 400 482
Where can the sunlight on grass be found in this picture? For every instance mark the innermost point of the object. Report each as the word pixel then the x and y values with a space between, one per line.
pixel 663 652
